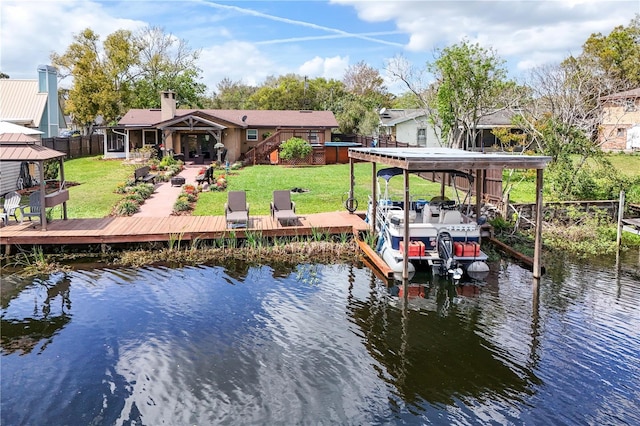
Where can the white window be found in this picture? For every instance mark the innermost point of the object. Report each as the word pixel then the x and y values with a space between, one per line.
pixel 313 137
pixel 620 132
pixel 252 134
pixel 422 137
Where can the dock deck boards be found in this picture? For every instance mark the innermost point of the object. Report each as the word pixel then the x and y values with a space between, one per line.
pixel 148 229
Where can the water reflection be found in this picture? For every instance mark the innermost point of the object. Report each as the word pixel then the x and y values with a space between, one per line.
pixel 430 350
pixel 320 344
pixel 50 313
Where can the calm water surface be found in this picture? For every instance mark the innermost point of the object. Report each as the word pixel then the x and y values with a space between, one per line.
pixel 321 345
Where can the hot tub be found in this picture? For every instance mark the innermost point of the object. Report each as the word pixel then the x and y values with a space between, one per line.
pixel 338 152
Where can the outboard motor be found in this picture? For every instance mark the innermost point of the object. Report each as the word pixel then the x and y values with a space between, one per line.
pixel 445 251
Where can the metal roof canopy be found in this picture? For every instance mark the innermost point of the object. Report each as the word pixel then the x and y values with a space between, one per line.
pixel 429 159
pixel 443 159
pixel 15 147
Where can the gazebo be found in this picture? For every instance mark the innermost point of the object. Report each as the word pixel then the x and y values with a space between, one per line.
pixel 21 147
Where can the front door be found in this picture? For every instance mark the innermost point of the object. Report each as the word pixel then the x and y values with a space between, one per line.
pixel 197 147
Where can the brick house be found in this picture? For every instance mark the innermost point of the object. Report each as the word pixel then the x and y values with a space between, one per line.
pixel 620 123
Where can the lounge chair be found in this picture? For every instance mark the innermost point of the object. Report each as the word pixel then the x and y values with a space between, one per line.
pixel 34 207
pixel 236 209
pixel 283 209
pixel 10 207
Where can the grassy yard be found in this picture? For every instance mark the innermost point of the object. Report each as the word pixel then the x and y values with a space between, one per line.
pixel 94 197
pixel 326 185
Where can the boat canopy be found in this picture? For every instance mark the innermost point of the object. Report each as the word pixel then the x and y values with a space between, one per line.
pixel 389 172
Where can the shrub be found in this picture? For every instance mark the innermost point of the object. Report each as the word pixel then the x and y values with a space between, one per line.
pixel 134 197
pixel 295 148
pixel 167 161
pixel 181 205
pixel 127 208
pixel 122 188
pixel 51 169
pixel 144 189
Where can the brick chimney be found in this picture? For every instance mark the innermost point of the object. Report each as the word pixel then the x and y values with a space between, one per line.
pixel 167 105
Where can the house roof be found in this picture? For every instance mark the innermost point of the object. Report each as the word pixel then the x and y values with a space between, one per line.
pixel 22 103
pixel 391 117
pixel 498 118
pixel 254 118
pixel 26 151
pixel 633 93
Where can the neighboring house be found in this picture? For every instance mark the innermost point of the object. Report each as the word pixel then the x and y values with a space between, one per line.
pixel 620 124
pixel 488 123
pixel 412 127
pixel 194 133
pixel 408 126
pixel 33 104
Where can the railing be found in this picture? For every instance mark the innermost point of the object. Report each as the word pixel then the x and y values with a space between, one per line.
pixel 260 154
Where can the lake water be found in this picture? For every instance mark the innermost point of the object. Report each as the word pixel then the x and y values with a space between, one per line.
pixel 321 345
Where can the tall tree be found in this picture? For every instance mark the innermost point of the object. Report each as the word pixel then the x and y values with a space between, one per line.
pixel 367 95
pixel 102 77
pixel 617 55
pixel 471 82
pixel 420 93
pixel 166 63
pixel 232 95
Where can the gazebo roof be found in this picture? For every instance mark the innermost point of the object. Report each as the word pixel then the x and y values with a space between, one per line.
pixel 20 150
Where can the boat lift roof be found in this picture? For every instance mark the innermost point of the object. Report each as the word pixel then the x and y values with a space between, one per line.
pixel 442 159
pixel 430 159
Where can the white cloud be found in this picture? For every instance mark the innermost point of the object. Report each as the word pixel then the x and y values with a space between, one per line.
pixel 521 32
pixel 30 31
pixel 329 68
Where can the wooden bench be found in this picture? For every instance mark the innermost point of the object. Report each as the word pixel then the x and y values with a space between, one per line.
pixel 142 175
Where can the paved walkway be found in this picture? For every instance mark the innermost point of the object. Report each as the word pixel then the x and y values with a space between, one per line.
pixel 160 204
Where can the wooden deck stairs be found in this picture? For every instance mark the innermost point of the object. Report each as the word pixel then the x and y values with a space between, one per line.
pixel 260 154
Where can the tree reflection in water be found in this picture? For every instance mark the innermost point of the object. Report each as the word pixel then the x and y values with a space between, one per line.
pixel 50 314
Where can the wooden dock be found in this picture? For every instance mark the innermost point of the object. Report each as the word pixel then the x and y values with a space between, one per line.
pixel 117 230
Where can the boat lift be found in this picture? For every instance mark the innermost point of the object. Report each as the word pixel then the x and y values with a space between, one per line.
pixel 440 159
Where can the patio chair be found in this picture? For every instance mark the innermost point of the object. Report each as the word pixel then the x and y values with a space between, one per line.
pixel 236 209
pixel 34 207
pixel 10 207
pixel 283 209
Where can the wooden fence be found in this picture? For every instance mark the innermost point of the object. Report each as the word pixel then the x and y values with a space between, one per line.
pixel 78 146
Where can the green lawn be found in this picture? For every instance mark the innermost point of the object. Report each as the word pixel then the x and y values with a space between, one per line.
pixel 94 197
pixel 627 164
pixel 326 185
pixel 97 178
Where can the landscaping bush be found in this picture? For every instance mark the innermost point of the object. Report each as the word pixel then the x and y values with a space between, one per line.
pixel 182 204
pixel 295 148
pixel 134 197
pixel 144 189
pixel 127 208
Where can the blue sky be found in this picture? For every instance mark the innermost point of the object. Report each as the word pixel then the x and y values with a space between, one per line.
pixel 250 40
